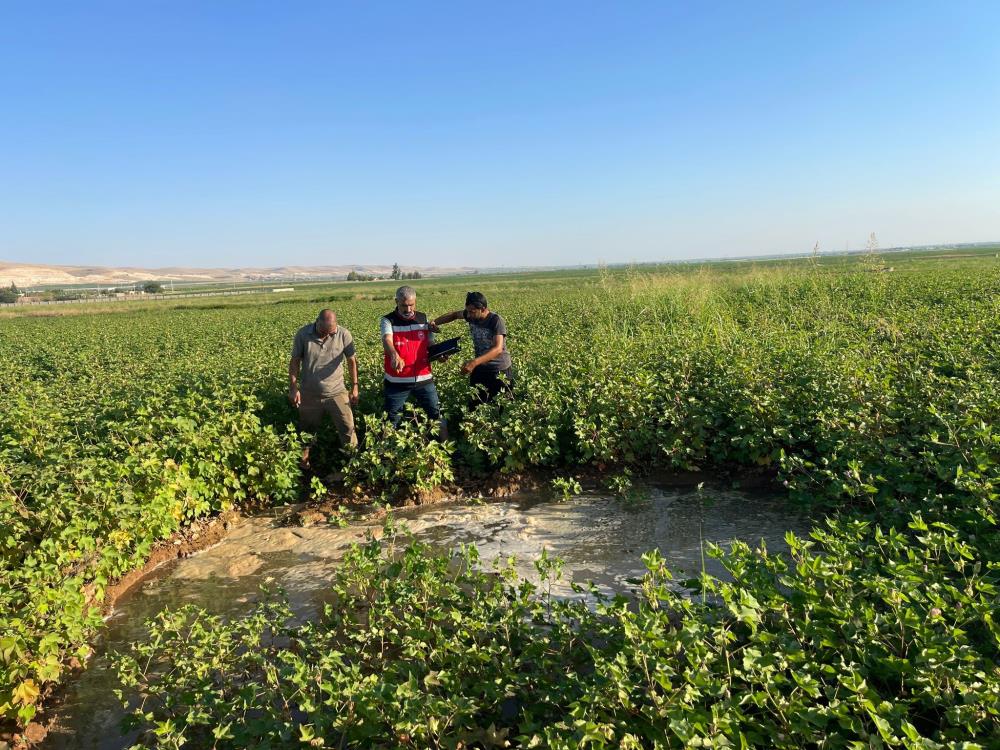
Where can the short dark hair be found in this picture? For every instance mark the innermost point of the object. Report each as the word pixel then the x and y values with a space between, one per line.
pixel 476 299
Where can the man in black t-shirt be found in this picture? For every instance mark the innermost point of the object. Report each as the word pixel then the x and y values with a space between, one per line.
pixel 491 371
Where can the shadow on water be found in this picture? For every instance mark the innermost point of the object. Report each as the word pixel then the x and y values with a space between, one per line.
pixel 599 539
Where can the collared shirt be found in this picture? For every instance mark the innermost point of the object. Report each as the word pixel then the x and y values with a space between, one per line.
pixel 322 371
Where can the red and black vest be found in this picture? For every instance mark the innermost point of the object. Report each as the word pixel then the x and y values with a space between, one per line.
pixel 411 338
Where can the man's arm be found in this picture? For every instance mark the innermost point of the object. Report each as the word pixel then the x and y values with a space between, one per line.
pixel 446 318
pixel 352 364
pixel 488 356
pixel 394 359
pixel 293 381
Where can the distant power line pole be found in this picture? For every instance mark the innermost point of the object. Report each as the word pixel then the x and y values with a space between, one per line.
pixel 872 246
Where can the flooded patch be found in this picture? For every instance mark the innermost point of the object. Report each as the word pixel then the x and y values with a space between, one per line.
pixel 599 539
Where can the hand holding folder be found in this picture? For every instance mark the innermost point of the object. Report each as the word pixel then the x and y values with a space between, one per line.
pixel 442 350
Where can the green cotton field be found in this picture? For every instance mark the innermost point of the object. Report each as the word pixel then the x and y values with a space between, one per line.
pixel 872 394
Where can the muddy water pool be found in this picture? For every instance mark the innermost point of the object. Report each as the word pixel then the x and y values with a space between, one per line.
pixel 598 538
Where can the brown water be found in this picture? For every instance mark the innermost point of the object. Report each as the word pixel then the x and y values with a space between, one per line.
pixel 599 539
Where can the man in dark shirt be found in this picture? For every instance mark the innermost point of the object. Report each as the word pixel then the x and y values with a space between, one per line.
pixel 490 371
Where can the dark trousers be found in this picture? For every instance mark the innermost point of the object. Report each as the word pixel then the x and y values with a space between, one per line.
pixel 488 384
pixel 397 394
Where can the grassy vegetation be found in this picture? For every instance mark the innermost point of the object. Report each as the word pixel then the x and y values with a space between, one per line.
pixel 871 392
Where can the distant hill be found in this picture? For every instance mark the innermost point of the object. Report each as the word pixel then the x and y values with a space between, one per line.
pixel 36 275
pixel 29 275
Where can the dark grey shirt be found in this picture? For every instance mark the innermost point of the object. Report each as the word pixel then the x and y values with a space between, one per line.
pixel 483 332
pixel 322 372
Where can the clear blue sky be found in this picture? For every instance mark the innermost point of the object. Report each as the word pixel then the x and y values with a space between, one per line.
pixel 218 133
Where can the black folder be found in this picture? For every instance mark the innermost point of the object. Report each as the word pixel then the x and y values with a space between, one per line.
pixel 442 349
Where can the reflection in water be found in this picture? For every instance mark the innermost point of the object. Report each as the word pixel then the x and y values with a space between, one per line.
pixel 599 539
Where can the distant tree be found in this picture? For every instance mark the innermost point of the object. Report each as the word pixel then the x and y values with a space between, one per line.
pixel 10 294
pixel 413 275
pixel 353 276
pixel 152 287
pixel 396 273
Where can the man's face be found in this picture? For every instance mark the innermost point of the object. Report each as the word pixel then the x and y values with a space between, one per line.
pixel 407 307
pixel 476 313
pixel 326 324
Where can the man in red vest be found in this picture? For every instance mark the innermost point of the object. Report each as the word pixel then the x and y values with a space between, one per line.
pixel 406 337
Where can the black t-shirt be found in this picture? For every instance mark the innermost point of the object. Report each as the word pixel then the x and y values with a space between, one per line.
pixel 483 332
